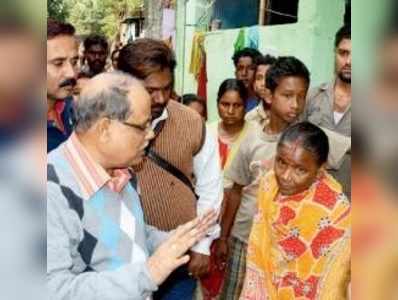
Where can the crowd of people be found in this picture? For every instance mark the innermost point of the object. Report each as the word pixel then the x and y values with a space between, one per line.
pixel 149 200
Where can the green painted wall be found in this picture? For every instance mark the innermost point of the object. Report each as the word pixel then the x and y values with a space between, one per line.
pixel 368 21
pixel 310 39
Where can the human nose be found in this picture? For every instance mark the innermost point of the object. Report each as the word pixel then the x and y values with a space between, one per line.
pixel 349 59
pixel 97 55
pixel 294 103
pixel 70 70
pixel 286 175
pixel 159 96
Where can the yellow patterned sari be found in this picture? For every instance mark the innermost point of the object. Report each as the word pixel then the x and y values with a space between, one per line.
pixel 299 246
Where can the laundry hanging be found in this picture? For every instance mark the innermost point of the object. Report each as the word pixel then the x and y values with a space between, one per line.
pixel 197 53
pixel 240 42
pixel 247 38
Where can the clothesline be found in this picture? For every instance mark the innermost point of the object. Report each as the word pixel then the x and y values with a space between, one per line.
pixel 280 14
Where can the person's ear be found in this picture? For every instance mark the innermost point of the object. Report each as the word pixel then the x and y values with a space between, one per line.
pixel 103 129
pixel 321 171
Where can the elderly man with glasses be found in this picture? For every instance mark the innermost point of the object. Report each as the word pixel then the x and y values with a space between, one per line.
pixel 98 245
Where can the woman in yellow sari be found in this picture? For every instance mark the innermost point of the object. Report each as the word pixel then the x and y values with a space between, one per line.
pixel 299 246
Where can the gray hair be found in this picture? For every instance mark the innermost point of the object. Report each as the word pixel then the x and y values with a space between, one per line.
pixel 106 96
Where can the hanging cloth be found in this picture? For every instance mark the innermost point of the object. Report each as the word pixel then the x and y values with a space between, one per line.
pixel 202 79
pixel 253 37
pixel 197 53
pixel 240 41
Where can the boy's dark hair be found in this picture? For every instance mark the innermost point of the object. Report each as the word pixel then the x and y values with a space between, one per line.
pixel 343 33
pixel 187 99
pixel 246 52
pixel 56 28
pixel 190 98
pixel 265 60
pixel 232 85
pixel 283 67
pixel 145 56
pixel 310 137
pixel 95 39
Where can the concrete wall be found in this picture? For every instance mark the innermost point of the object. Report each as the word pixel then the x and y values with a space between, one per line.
pixel 368 21
pixel 310 39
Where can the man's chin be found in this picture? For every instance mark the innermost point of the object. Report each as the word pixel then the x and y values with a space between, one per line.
pixel 97 68
pixel 61 96
pixel 137 161
pixel 346 78
pixel 156 113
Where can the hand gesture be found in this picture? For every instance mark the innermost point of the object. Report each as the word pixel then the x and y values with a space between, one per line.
pixel 172 253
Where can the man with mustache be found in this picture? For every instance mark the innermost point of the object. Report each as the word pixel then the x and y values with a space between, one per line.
pixel 182 176
pixel 329 105
pixel 96 50
pixel 62 58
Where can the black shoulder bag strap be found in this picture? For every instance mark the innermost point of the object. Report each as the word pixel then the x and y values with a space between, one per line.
pixel 165 165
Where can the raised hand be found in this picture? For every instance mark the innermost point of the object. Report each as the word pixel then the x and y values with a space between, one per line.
pixel 172 253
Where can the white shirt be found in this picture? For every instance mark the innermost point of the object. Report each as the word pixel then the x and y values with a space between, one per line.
pixel 209 183
pixel 337 116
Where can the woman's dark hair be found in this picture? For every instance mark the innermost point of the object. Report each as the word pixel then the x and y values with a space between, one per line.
pixel 310 137
pixel 232 85
pixel 187 99
pixel 286 66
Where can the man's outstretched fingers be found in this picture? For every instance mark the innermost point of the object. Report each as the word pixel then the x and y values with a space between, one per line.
pixel 182 261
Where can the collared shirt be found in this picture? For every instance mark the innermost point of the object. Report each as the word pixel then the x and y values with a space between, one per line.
pixel 251 103
pixel 89 174
pixel 97 239
pixel 258 115
pixel 209 182
pixel 319 110
pixel 55 115
pixel 254 158
pixel 60 129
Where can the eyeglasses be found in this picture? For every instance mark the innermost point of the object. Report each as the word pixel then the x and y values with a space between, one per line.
pixel 144 128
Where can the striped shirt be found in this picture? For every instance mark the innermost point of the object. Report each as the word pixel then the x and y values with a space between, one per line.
pixel 89 174
pixel 97 239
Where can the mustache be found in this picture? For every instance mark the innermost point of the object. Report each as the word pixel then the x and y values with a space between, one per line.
pixel 68 82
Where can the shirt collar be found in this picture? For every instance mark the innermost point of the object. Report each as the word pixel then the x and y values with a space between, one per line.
pixel 164 116
pixel 327 85
pixel 54 116
pixel 261 111
pixel 262 114
pixel 329 89
pixel 90 175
